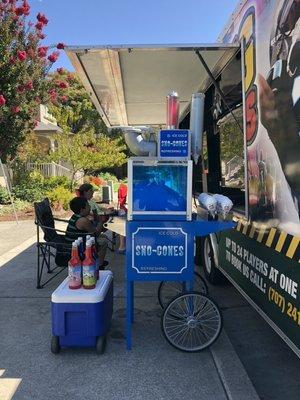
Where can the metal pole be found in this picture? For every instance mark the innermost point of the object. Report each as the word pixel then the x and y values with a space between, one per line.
pixel 217 87
pixel 9 192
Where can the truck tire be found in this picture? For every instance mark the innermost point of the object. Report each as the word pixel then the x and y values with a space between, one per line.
pixel 213 275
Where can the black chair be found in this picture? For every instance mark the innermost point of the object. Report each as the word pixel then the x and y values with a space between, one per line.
pixel 54 245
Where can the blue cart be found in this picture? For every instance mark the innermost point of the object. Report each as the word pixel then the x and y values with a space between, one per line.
pixel 164 251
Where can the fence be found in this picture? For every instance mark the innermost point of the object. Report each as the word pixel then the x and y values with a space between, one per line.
pixel 53 169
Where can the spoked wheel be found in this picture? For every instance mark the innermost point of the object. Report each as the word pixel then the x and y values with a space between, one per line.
pixel 191 322
pixel 168 290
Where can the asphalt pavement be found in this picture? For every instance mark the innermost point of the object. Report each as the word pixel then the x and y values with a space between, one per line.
pixel 151 370
pixel 272 366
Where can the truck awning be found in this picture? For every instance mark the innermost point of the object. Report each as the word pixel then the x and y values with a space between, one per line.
pixel 128 84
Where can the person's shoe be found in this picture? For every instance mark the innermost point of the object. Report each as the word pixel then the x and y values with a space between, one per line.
pixel 123 251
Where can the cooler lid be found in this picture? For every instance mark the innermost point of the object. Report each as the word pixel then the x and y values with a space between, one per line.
pixel 65 295
pixel 128 84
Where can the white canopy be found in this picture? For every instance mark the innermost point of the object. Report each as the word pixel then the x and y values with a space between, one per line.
pixel 128 83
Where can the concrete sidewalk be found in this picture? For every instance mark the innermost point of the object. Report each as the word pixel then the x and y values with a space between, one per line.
pixel 13 234
pixel 152 370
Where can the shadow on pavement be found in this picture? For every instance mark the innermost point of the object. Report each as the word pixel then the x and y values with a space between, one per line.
pixel 152 370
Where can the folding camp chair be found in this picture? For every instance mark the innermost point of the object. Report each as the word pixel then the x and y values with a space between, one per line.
pixel 54 244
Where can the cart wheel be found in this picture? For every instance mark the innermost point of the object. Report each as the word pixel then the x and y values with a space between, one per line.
pixel 100 344
pixel 191 322
pixel 168 290
pixel 55 346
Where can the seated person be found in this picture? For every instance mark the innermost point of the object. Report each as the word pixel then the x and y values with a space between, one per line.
pixel 79 225
pixel 86 190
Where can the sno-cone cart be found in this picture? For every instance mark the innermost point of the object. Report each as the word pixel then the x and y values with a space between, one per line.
pixel 164 251
pixel 160 232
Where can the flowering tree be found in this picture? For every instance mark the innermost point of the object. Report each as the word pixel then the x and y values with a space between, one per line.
pixel 24 65
pixel 77 111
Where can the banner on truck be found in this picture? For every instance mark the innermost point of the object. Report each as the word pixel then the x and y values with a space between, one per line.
pixel 270 31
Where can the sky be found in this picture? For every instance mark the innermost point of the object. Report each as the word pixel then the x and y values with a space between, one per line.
pixel 99 22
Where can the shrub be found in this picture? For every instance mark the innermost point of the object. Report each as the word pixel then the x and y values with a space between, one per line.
pixel 36 187
pixel 30 188
pixel 27 192
pixel 95 187
pixel 55 181
pixel 95 181
pixel 60 197
pixel 107 176
pixel 36 178
pixel 4 197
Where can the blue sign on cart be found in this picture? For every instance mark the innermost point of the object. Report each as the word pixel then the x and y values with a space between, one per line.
pixel 159 250
pixel 174 143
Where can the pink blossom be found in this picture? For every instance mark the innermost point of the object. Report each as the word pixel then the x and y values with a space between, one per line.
pixel 42 51
pixel 53 95
pixel 29 85
pixel 19 11
pixel 2 100
pixel 41 35
pixel 63 99
pixel 61 71
pixel 21 55
pixel 39 26
pixel 20 88
pixel 24 9
pixel 15 109
pixel 42 18
pixel 63 85
pixel 60 46
pixel 53 57
pixel 38 100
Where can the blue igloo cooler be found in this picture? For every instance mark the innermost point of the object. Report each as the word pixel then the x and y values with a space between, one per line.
pixel 82 317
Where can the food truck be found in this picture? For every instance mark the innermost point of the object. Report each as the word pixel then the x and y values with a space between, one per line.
pixel 249 147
